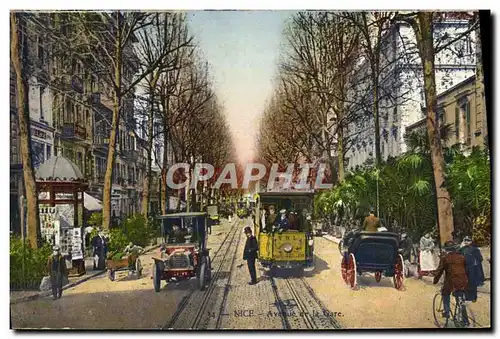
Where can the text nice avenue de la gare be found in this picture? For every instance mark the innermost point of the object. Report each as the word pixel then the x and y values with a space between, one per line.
pixel 204 171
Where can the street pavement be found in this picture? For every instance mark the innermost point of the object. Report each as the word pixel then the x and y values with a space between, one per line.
pixel 318 300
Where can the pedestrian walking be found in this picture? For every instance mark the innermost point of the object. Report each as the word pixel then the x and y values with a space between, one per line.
pixel 371 223
pixel 56 266
pixel 474 268
pixel 250 254
pixel 100 250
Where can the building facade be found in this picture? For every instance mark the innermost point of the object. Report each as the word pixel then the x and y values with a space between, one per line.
pixel 401 86
pixel 461 107
pixel 70 109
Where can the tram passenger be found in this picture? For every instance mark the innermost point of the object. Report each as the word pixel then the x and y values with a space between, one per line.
pixel 283 224
pixel 263 220
pixel 293 220
pixel 271 219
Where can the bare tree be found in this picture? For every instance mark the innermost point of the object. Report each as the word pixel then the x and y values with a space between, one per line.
pixel 373 26
pixel 32 219
pixel 169 33
pixel 324 50
pixel 108 48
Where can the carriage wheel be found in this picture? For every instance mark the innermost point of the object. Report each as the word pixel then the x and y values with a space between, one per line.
pixel 202 276
pixel 341 244
pixel 344 268
pixel 399 272
pixel 111 275
pixel 209 269
pixel 378 276
pixel 351 271
pixel 138 267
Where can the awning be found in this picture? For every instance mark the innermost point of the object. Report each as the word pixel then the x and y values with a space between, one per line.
pixel 91 203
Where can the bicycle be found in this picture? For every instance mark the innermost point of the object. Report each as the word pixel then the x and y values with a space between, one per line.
pixel 457 312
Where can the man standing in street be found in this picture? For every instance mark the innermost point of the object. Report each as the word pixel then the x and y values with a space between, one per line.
pixel 372 223
pixel 474 268
pixel 56 266
pixel 250 254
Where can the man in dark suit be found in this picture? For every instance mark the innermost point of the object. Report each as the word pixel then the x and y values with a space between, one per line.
pixel 473 266
pixel 455 277
pixel 100 246
pixel 56 266
pixel 250 254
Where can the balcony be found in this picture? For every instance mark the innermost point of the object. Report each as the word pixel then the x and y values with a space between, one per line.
pixel 95 99
pixel 77 84
pixel 73 131
pixel 101 143
pixel 130 155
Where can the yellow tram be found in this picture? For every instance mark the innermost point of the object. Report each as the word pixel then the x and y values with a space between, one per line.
pixel 293 246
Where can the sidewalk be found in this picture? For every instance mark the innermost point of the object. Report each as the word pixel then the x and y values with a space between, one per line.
pixel 23 296
pixel 331 238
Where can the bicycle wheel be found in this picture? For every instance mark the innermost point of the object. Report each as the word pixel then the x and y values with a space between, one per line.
pixel 460 321
pixel 471 317
pixel 438 310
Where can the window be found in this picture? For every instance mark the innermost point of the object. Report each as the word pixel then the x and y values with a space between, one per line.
pixel 468 43
pixel 41 51
pixel 37 153
pixel 466 108
pixel 440 116
pixel 457 122
pixel 42 118
pixel 49 149
pixel 80 160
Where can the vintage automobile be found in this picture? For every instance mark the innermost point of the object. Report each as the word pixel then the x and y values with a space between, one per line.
pixel 213 214
pixel 184 253
pixel 289 248
pixel 376 252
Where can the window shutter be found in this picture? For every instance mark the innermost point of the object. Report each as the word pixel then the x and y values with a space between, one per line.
pixel 457 121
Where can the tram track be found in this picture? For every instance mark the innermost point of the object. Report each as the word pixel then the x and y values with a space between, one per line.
pixel 201 315
pixel 299 307
pixel 218 260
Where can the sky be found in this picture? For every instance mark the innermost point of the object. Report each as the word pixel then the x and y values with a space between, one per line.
pixel 242 48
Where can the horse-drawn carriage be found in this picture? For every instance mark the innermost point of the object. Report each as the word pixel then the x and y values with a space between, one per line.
pixel 375 252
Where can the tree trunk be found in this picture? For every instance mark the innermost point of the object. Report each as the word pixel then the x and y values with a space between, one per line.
pixel 376 118
pixel 340 154
pixel 164 201
pixel 147 178
pixel 115 123
pixel 164 170
pixel 32 217
pixel 424 33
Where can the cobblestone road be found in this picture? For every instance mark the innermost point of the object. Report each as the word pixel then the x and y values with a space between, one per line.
pixel 319 299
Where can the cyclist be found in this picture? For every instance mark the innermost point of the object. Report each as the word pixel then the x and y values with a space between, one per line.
pixel 452 264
